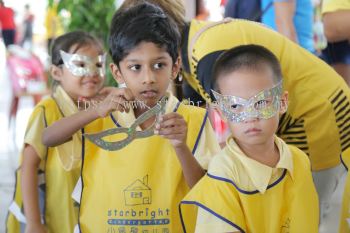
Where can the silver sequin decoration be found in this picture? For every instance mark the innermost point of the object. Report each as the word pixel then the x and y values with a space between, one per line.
pixel 92 66
pixel 264 105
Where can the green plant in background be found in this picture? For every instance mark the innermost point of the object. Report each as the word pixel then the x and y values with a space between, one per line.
pixel 93 16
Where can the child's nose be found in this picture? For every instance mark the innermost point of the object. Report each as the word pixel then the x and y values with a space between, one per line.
pixel 251 119
pixel 149 76
pixel 91 73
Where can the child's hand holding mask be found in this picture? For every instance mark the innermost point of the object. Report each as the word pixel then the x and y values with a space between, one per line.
pixel 173 127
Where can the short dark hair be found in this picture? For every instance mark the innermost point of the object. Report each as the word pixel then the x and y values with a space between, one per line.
pixel 246 57
pixel 174 8
pixel 66 41
pixel 143 22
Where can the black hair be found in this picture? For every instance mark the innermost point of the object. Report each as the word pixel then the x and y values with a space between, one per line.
pixel 66 41
pixel 143 22
pixel 246 57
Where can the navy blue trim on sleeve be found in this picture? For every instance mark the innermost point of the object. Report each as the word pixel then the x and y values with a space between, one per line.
pixel 200 133
pixel 342 161
pixel 207 209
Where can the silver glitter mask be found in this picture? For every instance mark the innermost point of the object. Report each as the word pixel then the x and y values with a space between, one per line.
pixel 91 66
pixel 264 105
pixel 131 132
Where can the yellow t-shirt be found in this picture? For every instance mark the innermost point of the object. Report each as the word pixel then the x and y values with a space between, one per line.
pixel 32 136
pixel 239 194
pixel 139 187
pixel 70 152
pixel 248 174
pixel 59 168
pixel 335 5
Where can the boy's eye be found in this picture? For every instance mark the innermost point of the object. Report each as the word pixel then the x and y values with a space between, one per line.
pixel 99 65
pixel 158 66
pixel 134 67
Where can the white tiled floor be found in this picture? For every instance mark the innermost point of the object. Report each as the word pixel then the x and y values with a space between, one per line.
pixel 11 141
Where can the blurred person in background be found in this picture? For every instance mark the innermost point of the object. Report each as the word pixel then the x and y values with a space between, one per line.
pixel 292 18
pixel 243 9
pixel 28 20
pixel 202 11
pixel 336 18
pixel 7 23
pixel 53 25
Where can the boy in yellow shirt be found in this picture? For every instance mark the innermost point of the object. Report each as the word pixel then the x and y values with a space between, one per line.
pixel 257 183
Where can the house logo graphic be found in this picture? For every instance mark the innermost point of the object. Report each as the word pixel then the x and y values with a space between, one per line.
pixel 138 193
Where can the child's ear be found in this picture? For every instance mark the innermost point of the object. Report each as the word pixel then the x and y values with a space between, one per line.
pixel 117 75
pixel 56 72
pixel 176 68
pixel 284 102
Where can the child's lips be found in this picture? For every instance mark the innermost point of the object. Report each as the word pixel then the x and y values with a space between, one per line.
pixel 252 131
pixel 149 94
pixel 90 83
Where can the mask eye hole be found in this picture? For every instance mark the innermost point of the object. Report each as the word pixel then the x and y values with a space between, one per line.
pixel 264 103
pixel 261 104
pixel 99 65
pixel 79 64
pixel 236 108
